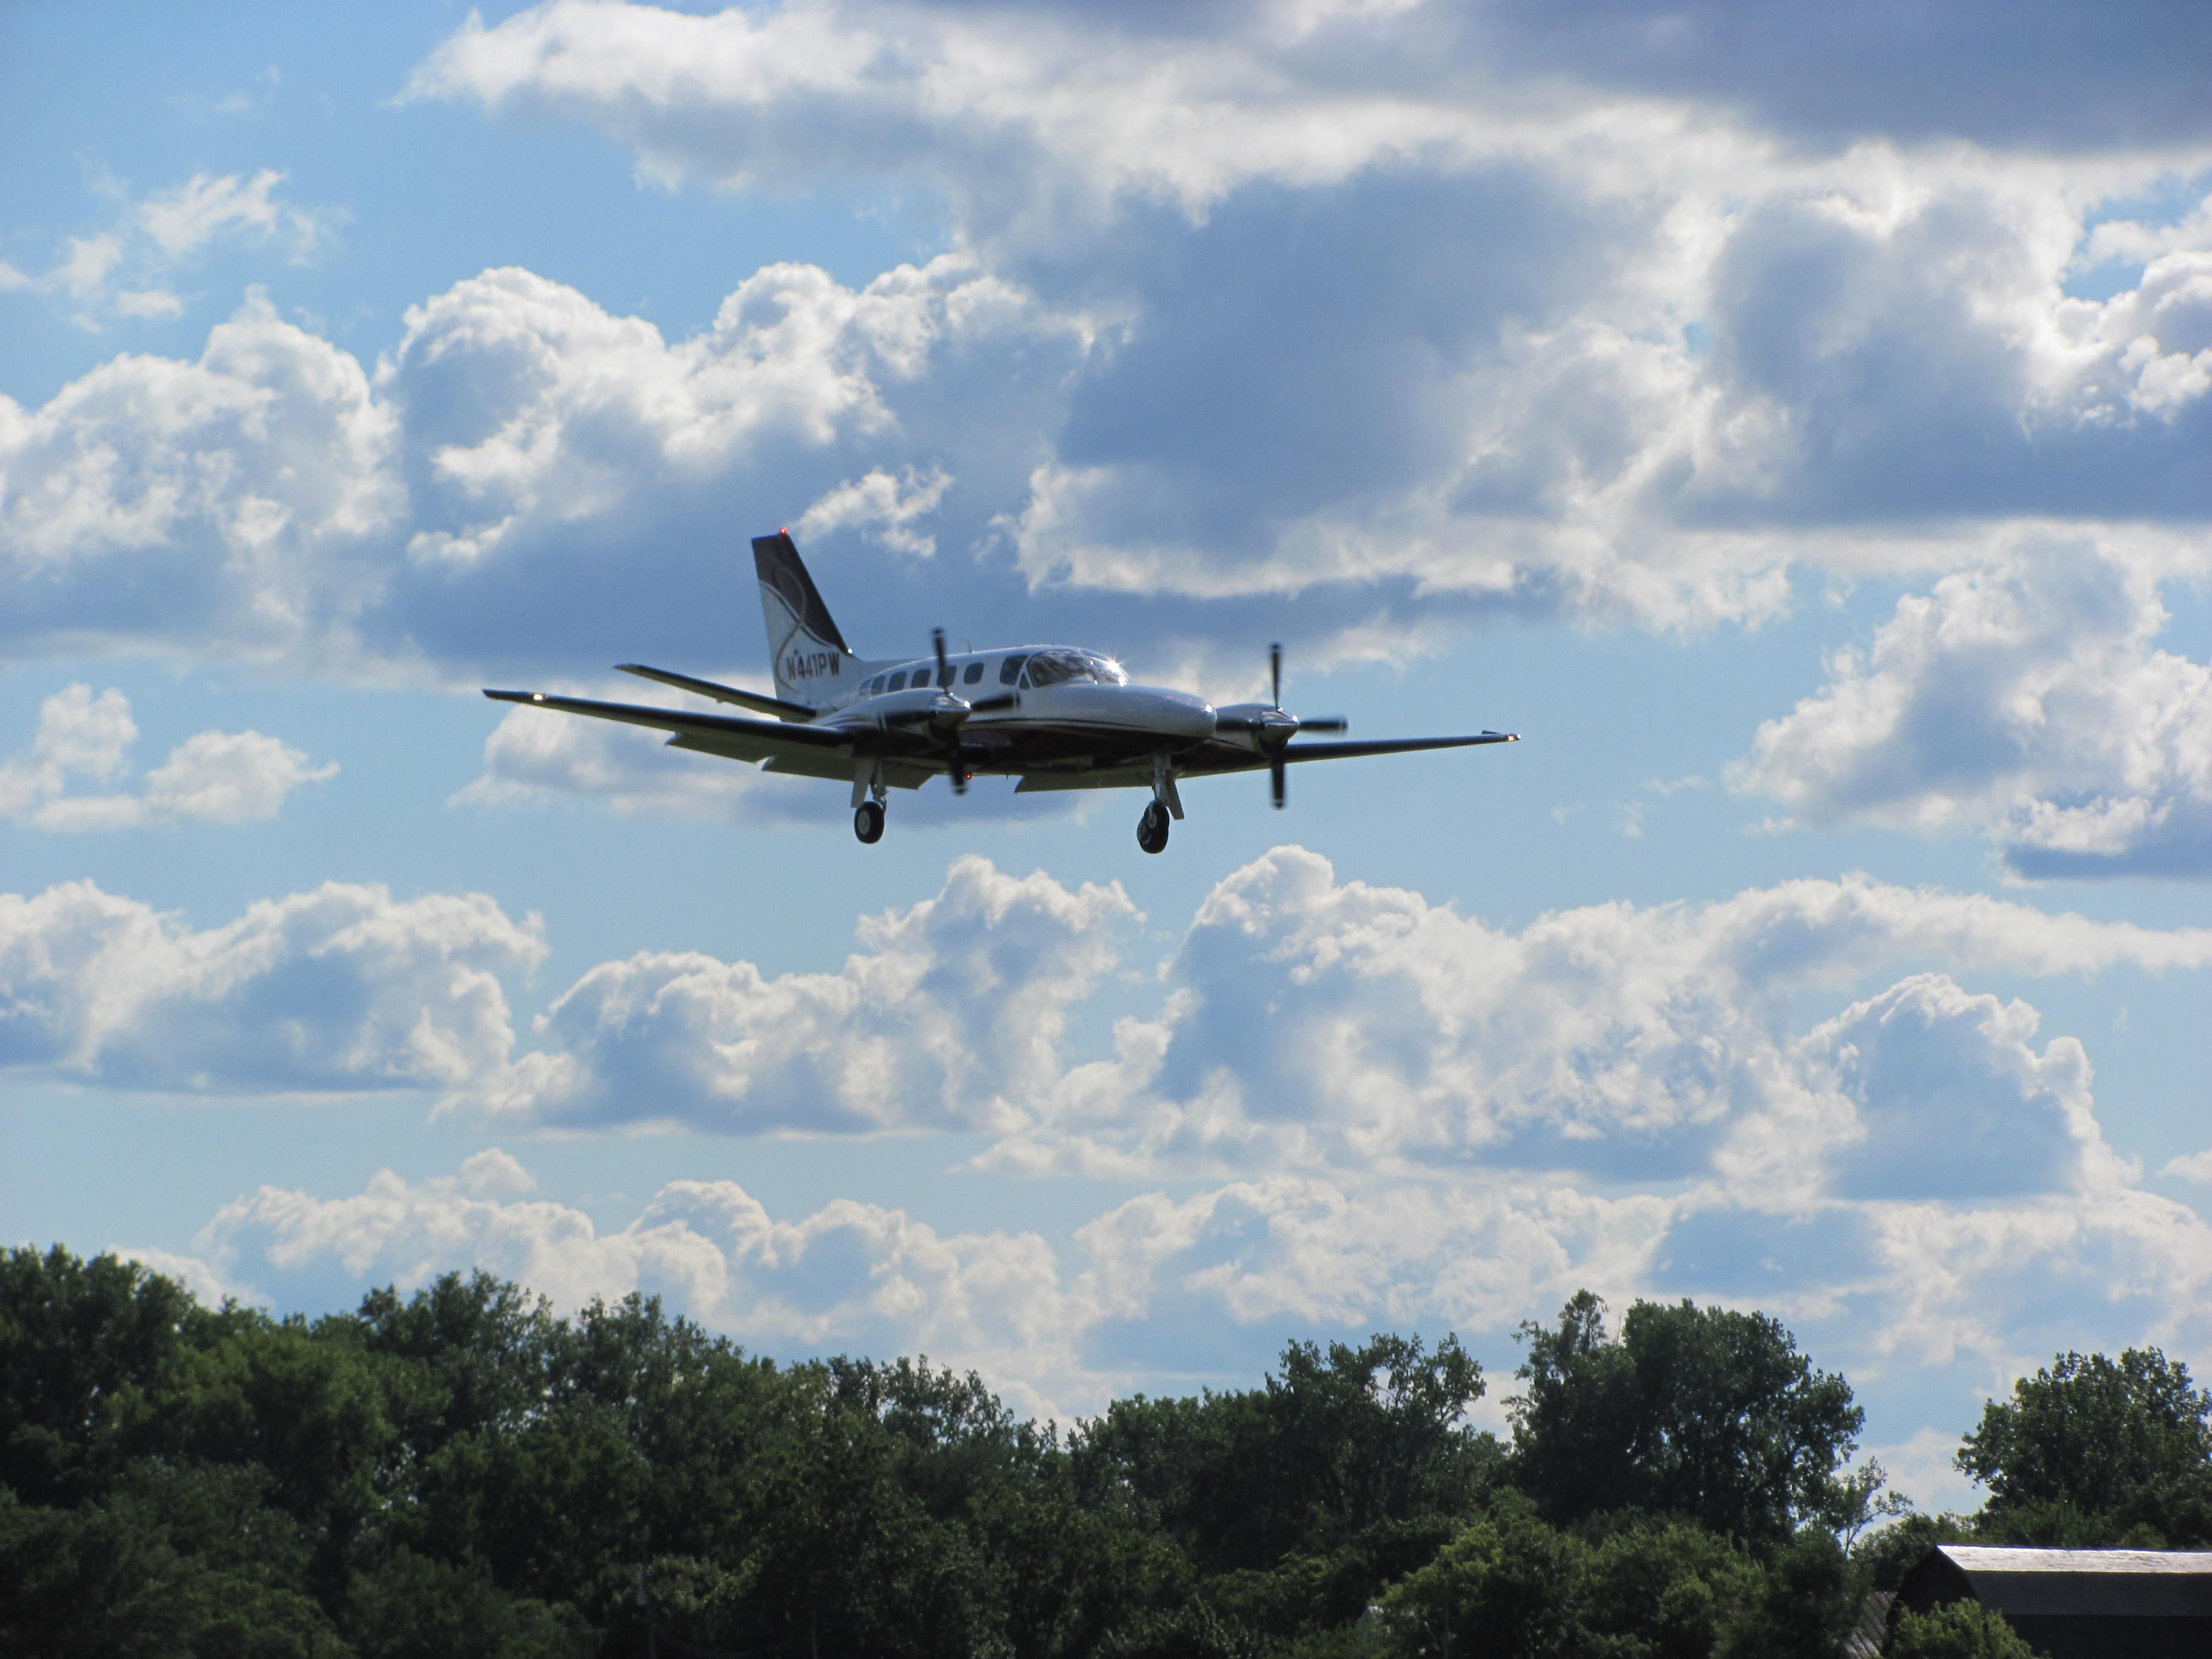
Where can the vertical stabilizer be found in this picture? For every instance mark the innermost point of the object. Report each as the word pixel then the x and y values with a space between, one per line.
pixel 810 661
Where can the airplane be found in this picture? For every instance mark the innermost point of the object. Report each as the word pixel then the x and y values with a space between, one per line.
pixel 1056 717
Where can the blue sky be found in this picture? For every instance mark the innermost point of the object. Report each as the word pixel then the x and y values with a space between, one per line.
pixel 1801 439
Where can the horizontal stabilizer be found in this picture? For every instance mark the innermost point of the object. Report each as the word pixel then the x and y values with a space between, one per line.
pixel 753 700
pixel 774 733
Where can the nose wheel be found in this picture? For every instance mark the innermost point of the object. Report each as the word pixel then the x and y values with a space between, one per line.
pixel 868 823
pixel 1152 829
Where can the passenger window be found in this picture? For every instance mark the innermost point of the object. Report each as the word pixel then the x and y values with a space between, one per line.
pixel 897 681
pixel 975 673
pixel 1011 669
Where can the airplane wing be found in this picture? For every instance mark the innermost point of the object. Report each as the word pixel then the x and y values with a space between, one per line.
pixel 1218 759
pixel 731 735
pixel 1315 751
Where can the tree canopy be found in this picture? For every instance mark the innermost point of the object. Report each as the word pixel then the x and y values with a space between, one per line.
pixel 459 1469
pixel 2091 1451
pixel 1702 1412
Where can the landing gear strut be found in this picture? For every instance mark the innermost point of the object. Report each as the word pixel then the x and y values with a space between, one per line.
pixel 1152 829
pixel 868 822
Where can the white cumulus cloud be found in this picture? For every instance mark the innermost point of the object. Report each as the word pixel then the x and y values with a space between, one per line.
pixel 339 989
pixel 1315 1024
pixel 216 777
pixel 952 1010
pixel 2027 699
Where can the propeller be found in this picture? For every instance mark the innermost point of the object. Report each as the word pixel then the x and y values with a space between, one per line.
pixel 954 768
pixel 1272 729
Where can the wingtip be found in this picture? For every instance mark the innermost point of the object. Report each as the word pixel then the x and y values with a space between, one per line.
pixel 514 697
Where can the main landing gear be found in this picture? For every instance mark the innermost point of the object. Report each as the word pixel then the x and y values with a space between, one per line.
pixel 1152 829
pixel 868 793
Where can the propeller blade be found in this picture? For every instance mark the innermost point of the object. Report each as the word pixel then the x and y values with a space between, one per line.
pixel 958 773
pixel 1275 671
pixel 1326 723
pixel 944 668
pixel 1277 782
pixel 991 705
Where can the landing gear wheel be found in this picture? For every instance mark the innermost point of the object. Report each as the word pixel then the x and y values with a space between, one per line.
pixel 1152 829
pixel 868 822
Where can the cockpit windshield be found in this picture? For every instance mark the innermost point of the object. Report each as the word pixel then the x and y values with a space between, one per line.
pixel 1054 667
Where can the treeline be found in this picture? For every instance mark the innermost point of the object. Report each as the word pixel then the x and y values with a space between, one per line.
pixel 461 1472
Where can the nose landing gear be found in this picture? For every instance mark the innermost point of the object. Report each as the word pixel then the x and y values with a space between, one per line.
pixel 1152 829
pixel 868 822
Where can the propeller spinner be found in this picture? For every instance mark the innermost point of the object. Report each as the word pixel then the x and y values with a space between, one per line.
pixel 1272 730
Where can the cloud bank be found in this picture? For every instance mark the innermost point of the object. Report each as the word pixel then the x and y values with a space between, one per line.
pixel 214 777
pixel 1335 1105
pixel 341 989
pixel 2026 700
pixel 1383 321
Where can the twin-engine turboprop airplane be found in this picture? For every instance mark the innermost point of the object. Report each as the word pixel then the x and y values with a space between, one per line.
pixel 1056 717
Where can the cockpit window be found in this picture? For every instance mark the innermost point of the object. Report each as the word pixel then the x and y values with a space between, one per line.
pixel 1011 669
pixel 1054 667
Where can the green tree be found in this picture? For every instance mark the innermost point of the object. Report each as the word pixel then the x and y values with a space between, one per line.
pixel 1804 1605
pixel 178 1563
pixel 1640 1588
pixel 1663 1590
pixel 2092 1451
pixel 1960 1629
pixel 1510 1576
pixel 409 1608
pixel 1338 1443
pixel 77 1339
pixel 1702 1412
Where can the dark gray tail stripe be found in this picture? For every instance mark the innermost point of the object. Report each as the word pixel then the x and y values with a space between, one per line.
pixel 777 560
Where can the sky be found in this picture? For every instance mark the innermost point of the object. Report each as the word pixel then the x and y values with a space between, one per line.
pixel 1796 424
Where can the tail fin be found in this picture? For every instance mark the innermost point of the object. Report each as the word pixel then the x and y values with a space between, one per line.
pixel 809 657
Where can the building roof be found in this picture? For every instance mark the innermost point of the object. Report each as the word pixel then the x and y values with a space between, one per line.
pixel 2113 1583
pixel 1976 1557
